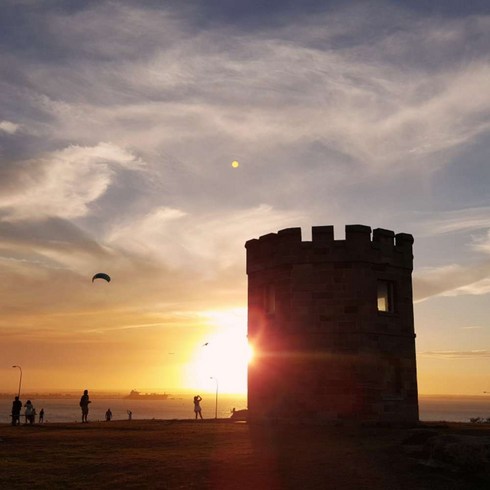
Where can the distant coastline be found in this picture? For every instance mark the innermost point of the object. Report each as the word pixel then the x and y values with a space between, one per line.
pixel 134 395
pixel 57 396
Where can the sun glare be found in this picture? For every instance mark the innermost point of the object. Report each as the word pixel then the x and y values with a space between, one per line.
pixel 224 355
pixel 250 353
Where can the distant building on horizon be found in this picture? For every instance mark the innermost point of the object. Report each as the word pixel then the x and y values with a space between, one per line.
pixel 332 325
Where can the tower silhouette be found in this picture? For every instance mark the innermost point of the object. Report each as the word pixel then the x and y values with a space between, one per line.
pixel 332 326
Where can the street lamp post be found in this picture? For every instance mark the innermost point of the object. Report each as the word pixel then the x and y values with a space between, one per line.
pixel 216 403
pixel 20 378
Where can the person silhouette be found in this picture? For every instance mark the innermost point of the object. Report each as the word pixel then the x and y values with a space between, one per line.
pixel 130 415
pixel 30 412
pixel 108 415
pixel 84 402
pixel 16 408
pixel 41 416
pixel 197 406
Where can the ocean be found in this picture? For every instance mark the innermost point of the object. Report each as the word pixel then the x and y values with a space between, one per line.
pixel 432 408
pixel 453 408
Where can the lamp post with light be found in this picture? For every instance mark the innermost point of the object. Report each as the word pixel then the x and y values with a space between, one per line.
pixel 20 378
pixel 216 403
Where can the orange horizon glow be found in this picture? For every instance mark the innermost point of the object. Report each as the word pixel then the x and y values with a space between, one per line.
pixel 149 356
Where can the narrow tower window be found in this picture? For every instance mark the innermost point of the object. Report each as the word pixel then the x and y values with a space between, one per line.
pixel 386 296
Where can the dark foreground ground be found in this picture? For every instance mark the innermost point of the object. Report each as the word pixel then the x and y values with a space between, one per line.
pixel 224 455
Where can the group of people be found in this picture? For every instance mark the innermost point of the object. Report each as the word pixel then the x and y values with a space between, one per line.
pixel 84 403
pixel 108 415
pixel 30 412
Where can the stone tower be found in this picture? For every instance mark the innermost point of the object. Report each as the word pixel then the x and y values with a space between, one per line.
pixel 331 322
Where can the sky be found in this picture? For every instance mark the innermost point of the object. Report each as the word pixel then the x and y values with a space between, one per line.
pixel 119 123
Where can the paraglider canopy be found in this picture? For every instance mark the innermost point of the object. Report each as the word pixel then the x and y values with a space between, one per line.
pixel 101 275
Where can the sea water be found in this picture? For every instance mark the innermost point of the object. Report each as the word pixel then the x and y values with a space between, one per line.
pixel 432 408
pixel 453 408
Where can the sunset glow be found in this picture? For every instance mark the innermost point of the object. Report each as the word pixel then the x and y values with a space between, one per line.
pixel 224 355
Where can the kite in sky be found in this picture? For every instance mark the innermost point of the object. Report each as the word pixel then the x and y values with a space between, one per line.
pixel 101 275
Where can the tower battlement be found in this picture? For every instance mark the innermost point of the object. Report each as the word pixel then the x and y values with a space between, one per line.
pixel 360 244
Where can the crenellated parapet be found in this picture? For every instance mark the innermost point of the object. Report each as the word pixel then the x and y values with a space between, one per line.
pixel 360 244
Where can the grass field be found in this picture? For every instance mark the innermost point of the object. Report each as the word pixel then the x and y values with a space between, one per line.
pixel 217 455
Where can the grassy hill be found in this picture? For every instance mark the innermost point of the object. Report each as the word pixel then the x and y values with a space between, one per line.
pixel 223 455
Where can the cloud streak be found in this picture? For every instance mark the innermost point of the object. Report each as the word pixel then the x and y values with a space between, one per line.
pixel 452 280
pixel 454 221
pixel 451 355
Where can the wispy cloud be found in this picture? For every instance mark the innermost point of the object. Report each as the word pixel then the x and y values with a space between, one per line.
pixel 205 243
pixel 451 280
pixel 477 288
pixel 62 183
pixel 472 354
pixel 482 243
pixel 8 127
pixel 286 86
pixel 455 221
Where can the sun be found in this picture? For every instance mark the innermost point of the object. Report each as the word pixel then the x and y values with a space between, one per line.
pixel 224 355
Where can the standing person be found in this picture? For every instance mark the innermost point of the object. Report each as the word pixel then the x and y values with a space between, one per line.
pixel 197 406
pixel 84 401
pixel 108 415
pixel 30 412
pixel 41 416
pixel 130 415
pixel 16 408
